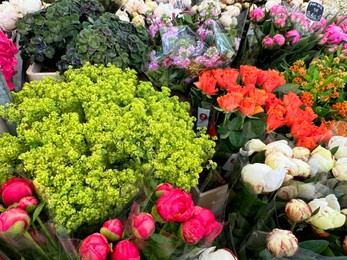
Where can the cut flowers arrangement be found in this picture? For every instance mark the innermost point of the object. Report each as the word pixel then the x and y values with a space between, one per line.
pixel 8 61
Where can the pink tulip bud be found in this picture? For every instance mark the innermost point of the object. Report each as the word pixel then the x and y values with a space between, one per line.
pixel 125 250
pixel 280 22
pixel 15 189
pixel 282 243
pixel 14 221
pixel 175 205
pixel 279 39
pixel 298 210
pixel 293 36
pixel 268 41
pixel 113 230
pixel 94 247
pixel 192 231
pixel 257 15
pixel 161 188
pixel 28 203
pixel 142 225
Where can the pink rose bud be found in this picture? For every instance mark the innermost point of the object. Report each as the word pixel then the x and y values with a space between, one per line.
pixel 280 22
pixel 298 210
pixel 175 205
pixel 192 231
pixel 293 36
pixel 142 225
pixel 14 221
pixel 94 247
pixel 257 15
pixel 282 243
pixel 15 189
pixel 112 229
pixel 279 39
pixel 125 250
pixel 268 41
pixel 28 203
pixel 161 188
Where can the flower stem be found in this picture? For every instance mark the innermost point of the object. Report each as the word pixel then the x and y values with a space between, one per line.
pixel 47 233
pixel 36 246
pixel 292 226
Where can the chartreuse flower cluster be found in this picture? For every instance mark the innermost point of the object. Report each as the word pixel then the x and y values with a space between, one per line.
pixel 93 137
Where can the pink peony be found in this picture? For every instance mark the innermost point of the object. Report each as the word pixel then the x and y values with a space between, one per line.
pixel 280 22
pixel 205 216
pixel 293 36
pixel 267 41
pixel 161 188
pixel 175 205
pixel 125 250
pixel 334 34
pixel 7 59
pixel 142 225
pixel 278 10
pixel 94 247
pixel 212 231
pixel 112 229
pixel 257 15
pixel 279 39
pixel 14 190
pixel 14 221
pixel 192 231
pixel 28 203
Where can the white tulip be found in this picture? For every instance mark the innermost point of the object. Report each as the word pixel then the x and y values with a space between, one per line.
pixel 340 169
pixel 279 146
pixel 262 177
pixel 220 254
pixel 8 16
pixel 321 160
pixel 254 145
pixel 341 143
pixel 278 159
pixel 301 153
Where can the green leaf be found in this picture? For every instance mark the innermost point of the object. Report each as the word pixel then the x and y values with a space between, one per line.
pixel 286 88
pixel 265 254
pixel 315 211
pixel 37 211
pixel 259 157
pixel 316 246
pixel 236 138
pixel 334 150
pixel 254 128
pixel 223 132
pixel 235 123
pixel 187 18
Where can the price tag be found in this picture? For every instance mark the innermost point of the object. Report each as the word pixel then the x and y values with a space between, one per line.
pixel 229 164
pixel 314 11
pixel 203 117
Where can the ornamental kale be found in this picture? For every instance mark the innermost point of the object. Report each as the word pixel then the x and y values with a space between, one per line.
pixel 91 139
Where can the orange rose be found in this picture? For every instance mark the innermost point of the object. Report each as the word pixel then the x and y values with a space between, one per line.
pixel 230 101
pixel 249 74
pixel 207 83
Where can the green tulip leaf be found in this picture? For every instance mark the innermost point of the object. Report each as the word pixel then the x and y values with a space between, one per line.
pixel 37 211
pixel 316 246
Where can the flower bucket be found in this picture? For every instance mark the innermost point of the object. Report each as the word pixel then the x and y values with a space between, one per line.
pixel 34 73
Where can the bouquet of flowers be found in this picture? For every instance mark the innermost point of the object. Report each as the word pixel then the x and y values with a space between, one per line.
pixel 8 61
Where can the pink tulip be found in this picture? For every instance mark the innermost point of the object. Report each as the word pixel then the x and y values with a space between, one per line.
pixel 27 203
pixel 14 221
pixel 15 189
pixel 94 247
pixel 257 15
pixel 112 229
pixel 192 231
pixel 125 250
pixel 142 225
pixel 279 39
pixel 268 41
pixel 161 188
pixel 293 36
pixel 175 205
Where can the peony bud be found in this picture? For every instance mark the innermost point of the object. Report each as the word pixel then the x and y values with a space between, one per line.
pixel 161 188
pixel 282 243
pixel 279 39
pixel 257 15
pixel 142 225
pixel 205 216
pixel 220 254
pixel 293 36
pixel 125 250
pixel 175 205
pixel 287 192
pixel 297 210
pixel 192 231
pixel 267 41
pixel 321 161
pixel 28 203
pixel 280 22
pixel 212 231
pixel 340 169
pixel 14 190
pixel 14 222
pixel 112 229
pixel 341 143
pixel 94 247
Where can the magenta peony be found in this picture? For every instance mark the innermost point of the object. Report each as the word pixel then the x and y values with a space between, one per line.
pixel 94 247
pixel 142 225
pixel 112 229
pixel 27 203
pixel 125 250
pixel 14 190
pixel 192 231
pixel 162 188
pixel 7 59
pixel 14 222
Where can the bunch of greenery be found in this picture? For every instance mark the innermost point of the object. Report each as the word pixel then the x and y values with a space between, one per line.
pixel 91 139
pixel 46 34
pixel 108 40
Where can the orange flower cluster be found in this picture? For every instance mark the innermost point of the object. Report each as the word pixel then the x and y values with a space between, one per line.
pixel 341 108
pixel 338 127
pixel 292 112
pixel 307 98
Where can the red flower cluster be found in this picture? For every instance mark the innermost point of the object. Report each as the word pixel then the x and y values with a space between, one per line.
pixel 292 112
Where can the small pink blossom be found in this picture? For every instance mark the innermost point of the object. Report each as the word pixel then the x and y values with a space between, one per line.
pixel 293 36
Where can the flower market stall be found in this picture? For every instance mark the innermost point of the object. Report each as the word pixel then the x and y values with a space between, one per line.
pixel 207 129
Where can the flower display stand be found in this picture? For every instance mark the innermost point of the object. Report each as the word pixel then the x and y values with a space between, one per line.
pixel 34 72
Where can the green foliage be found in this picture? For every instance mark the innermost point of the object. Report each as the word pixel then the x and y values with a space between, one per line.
pixel 95 136
pixel 108 40
pixel 46 34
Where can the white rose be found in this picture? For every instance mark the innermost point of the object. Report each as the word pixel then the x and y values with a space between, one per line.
pixel 122 15
pixel 341 143
pixel 321 160
pixel 340 169
pixel 8 16
pixel 262 177
pixel 138 20
pixel 279 146
pixel 27 6
pixel 233 10
pixel 220 254
pixel 301 153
